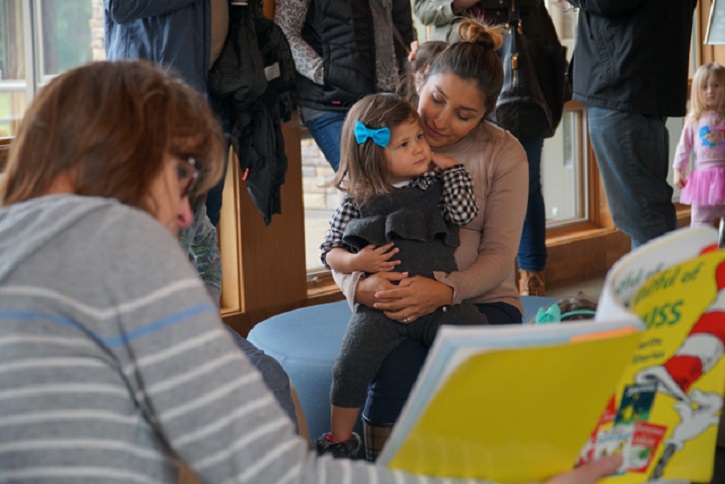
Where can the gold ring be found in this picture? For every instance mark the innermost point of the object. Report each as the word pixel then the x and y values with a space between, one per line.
pixel 406 320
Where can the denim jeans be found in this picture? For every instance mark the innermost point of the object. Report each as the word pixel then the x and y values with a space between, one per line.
pixel 633 157
pixel 532 249
pixel 327 130
pixel 390 388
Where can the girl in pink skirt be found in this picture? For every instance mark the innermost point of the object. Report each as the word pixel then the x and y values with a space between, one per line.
pixel 704 137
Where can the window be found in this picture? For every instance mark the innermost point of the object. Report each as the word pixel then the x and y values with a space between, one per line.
pixel 40 39
pixel 320 202
pixel 564 170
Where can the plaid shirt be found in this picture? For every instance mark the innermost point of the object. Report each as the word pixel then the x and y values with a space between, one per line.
pixel 458 205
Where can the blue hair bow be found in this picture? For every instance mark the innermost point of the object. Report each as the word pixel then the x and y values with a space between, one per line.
pixel 380 137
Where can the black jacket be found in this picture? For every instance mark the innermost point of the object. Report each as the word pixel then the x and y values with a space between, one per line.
pixel 633 55
pixel 342 33
pixel 251 86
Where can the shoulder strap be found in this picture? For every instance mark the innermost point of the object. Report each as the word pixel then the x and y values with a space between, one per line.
pixel 514 13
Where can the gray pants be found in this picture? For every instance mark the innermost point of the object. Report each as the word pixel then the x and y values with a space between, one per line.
pixel 371 336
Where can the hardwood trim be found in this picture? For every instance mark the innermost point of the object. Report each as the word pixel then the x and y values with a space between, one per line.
pixel 4 152
pixel 270 260
pixel 229 236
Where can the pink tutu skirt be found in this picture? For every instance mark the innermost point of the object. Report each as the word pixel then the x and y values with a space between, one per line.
pixel 705 186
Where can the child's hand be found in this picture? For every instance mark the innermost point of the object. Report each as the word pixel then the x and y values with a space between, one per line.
pixel 376 259
pixel 679 180
pixel 441 162
pixel 413 50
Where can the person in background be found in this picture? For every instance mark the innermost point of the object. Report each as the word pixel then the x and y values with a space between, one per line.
pixel 704 187
pixel 400 198
pixel 539 29
pixel 183 36
pixel 630 67
pixel 362 45
pixel 116 365
pixel 419 61
pixel 167 34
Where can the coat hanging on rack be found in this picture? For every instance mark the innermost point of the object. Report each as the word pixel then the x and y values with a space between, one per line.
pixel 253 81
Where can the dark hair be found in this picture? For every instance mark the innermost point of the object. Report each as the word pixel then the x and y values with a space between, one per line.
pixel 363 169
pixel 473 57
pixel 110 125
pixel 575 304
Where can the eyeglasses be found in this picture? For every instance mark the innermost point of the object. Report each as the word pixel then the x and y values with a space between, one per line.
pixel 187 173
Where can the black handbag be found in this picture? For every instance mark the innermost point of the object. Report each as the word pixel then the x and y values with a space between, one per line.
pixel 533 93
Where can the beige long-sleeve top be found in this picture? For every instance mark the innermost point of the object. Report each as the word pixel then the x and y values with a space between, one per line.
pixel 497 163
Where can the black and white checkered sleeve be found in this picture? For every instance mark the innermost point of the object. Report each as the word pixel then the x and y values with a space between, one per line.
pixel 459 202
pixel 345 212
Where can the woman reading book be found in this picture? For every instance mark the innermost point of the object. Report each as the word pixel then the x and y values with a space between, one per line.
pixel 455 99
pixel 115 362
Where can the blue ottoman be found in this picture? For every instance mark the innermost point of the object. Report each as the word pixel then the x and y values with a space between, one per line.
pixel 306 343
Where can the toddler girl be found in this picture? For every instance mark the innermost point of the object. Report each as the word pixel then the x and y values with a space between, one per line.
pixel 704 136
pixel 401 200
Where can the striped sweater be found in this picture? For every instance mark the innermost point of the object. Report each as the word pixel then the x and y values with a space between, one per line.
pixel 114 364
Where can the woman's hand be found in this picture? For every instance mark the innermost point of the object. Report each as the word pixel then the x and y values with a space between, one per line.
pixel 589 473
pixel 381 281
pixel 412 298
pixel 413 51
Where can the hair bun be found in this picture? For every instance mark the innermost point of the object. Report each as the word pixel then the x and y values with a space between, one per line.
pixel 485 41
pixel 478 33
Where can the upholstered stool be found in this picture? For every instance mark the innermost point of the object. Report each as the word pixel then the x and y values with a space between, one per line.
pixel 306 343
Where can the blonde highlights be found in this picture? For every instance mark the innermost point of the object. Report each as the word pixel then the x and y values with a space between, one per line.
pixel 698 105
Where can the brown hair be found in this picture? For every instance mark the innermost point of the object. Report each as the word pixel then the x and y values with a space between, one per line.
pixel 698 106
pixel 363 169
pixel 473 57
pixel 109 126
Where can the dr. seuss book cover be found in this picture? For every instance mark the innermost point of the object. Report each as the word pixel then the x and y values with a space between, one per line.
pixel 663 417
pixel 644 380
pixel 509 404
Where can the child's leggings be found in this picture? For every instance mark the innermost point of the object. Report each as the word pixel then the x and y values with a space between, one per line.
pixel 706 214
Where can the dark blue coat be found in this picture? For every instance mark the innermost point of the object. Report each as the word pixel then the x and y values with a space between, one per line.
pixel 171 33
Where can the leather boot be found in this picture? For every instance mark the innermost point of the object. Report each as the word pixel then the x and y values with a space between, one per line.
pixel 532 283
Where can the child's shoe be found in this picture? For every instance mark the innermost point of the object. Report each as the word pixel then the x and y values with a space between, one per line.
pixel 347 449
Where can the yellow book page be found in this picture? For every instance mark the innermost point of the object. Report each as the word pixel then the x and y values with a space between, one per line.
pixel 516 415
pixel 665 412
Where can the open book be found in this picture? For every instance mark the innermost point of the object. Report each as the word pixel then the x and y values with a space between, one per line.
pixel 517 404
